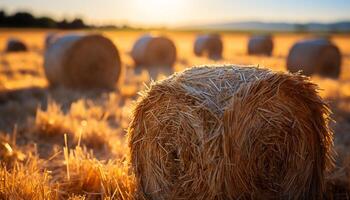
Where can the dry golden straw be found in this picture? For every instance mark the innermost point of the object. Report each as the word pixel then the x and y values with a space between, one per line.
pixel 315 56
pixel 15 45
pixel 260 45
pixel 82 61
pixel 231 132
pixel 150 50
pixel 209 45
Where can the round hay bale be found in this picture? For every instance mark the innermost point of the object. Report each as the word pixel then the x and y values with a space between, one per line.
pixel 230 132
pixel 315 56
pixel 209 45
pixel 15 45
pixel 260 45
pixel 151 50
pixel 82 61
pixel 50 39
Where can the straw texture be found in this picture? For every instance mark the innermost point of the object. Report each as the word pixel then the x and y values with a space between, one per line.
pixel 231 132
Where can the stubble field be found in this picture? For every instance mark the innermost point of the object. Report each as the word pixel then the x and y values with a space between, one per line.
pixel 57 143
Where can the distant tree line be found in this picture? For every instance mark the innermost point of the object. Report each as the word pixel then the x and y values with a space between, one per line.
pixel 27 20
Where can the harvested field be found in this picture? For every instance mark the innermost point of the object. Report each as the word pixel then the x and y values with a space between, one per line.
pixel 61 143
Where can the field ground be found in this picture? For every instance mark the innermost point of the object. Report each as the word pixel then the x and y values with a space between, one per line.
pixel 48 135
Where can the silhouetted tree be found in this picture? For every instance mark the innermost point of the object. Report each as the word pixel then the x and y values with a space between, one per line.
pixel 25 19
pixel 77 23
pixel 21 19
pixel 46 22
pixel 2 18
pixel 63 24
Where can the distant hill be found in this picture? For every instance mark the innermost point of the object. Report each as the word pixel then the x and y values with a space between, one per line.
pixel 276 26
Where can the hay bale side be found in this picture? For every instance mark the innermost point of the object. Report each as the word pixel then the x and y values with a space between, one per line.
pixel 50 38
pixel 260 45
pixel 230 132
pixel 151 51
pixel 315 56
pixel 209 45
pixel 82 61
pixel 15 45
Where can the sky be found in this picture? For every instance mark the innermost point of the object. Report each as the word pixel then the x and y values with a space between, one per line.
pixel 184 12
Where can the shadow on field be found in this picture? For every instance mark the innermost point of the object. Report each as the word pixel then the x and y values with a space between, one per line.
pixel 18 104
pixel 155 71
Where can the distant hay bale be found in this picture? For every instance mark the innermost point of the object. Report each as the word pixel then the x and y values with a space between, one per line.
pixel 15 45
pixel 209 45
pixel 230 132
pixel 82 61
pixel 315 56
pixel 50 39
pixel 151 50
pixel 260 45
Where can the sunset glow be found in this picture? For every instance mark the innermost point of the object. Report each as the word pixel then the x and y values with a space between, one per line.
pixel 184 12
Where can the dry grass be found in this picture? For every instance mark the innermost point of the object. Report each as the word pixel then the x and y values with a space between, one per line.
pixel 74 173
pixel 26 181
pixel 98 119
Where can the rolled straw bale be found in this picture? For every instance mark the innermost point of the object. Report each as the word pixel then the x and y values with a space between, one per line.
pixel 315 56
pixel 151 50
pixel 50 39
pixel 260 45
pixel 209 45
pixel 231 132
pixel 82 61
pixel 15 45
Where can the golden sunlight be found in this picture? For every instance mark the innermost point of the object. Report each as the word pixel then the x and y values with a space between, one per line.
pixel 158 11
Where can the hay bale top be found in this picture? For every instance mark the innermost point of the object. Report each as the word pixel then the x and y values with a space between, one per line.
pixel 214 84
pixel 261 36
pixel 314 42
pixel 210 35
pixel 15 45
pixel 195 132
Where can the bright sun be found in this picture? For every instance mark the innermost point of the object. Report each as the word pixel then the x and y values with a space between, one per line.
pixel 158 11
pixel 162 3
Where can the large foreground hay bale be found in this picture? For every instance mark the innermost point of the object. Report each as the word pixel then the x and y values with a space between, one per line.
pixel 260 45
pixel 209 45
pixel 315 56
pixel 15 45
pixel 151 50
pixel 230 132
pixel 82 61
